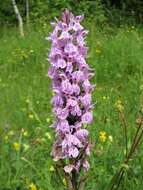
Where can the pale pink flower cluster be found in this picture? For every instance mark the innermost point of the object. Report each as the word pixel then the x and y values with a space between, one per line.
pixel 72 102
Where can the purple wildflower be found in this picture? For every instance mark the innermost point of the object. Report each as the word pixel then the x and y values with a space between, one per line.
pixel 72 103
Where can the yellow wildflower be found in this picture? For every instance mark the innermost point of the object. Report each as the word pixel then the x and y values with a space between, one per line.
pixel 16 146
pixel 110 139
pixel 31 116
pixel 48 119
pixel 52 169
pixel 119 105
pixel 102 136
pixel 132 27
pixel 26 147
pixel 33 186
pixel 106 97
pixel 48 135
pixel 25 133
pixel 31 51
pixel 11 133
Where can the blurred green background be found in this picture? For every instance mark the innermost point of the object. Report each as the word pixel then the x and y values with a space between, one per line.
pixel 100 11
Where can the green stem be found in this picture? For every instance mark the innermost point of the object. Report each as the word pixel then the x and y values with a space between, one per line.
pixel 74 180
pixel 117 178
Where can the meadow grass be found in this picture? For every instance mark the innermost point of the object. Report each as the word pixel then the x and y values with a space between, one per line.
pixel 116 54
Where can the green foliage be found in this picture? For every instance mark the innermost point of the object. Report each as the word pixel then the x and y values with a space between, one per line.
pixel 128 8
pixel 6 12
pixel 7 15
pixel 99 11
pixel 25 109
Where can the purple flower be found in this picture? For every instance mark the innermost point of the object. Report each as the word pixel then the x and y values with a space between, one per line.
pixel 52 73
pixel 77 165
pixel 60 63
pixel 86 165
pixel 68 168
pixel 63 127
pixel 69 67
pixel 71 140
pixel 66 87
pixel 61 113
pixel 72 103
pixel 78 76
pixel 87 86
pixel 76 89
pixel 70 49
pixel 87 118
pixel 73 152
pixel 57 101
pixel 82 134
pixel 76 111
